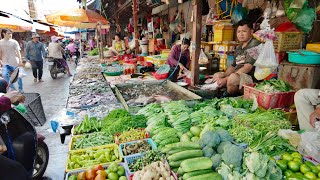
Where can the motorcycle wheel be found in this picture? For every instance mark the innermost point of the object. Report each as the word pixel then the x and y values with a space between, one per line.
pixel 41 161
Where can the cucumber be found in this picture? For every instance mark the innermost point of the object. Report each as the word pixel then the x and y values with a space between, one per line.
pixel 185 155
pixel 175 169
pixel 197 173
pixel 209 176
pixel 169 141
pixel 175 164
pixel 179 150
pixel 195 164
pixel 161 129
pixel 180 171
pixel 183 145
pixel 165 134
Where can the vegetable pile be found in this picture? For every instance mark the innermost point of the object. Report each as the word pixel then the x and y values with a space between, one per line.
pixel 155 170
pixel 88 125
pixel 94 156
pixel 136 147
pixel 132 134
pixel 274 86
pixel 91 140
pixel 148 158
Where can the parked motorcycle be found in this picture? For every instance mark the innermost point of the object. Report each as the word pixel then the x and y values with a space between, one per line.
pixel 55 67
pixel 19 135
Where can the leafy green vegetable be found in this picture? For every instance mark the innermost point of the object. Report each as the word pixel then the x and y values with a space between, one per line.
pixel 232 155
pixel 88 125
pixel 274 86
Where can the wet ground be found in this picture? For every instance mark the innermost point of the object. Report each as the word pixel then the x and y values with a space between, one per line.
pixel 54 94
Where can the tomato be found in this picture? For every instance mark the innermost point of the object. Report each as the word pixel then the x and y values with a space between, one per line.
pixel 296 155
pixel 90 174
pixel 81 176
pixel 113 167
pixel 287 157
pixel 113 176
pixel 282 164
pixel 310 175
pixel 100 177
pixel 122 178
pixel 120 171
pixel 294 166
pixel 98 167
pixel 102 172
pixel 304 168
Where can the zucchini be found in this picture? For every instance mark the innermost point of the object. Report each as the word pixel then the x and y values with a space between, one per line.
pixel 183 145
pixel 179 150
pixel 175 164
pixel 169 141
pixel 209 176
pixel 195 164
pixel 197 173
pixel 185 155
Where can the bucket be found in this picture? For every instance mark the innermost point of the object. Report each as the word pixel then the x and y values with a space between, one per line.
pixel 304 57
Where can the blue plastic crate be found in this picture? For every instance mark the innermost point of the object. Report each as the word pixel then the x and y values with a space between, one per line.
pixel 76 172
pixel 150 141
pixel 130 159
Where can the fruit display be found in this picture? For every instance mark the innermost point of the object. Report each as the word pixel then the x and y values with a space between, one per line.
pixel 92 156
pixel 294 167
pixel 114 171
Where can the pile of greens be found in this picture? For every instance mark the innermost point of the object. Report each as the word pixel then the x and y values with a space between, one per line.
pixel 95 51
pixel 274 86
pixel 120 120
pixel 88 125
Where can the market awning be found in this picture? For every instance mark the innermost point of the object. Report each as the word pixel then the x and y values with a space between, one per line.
pixel 15 24
pixel 39 26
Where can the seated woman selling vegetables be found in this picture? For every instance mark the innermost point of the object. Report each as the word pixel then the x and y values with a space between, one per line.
pixel 242 69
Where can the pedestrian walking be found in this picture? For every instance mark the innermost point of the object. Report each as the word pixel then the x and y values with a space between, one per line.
pixel 10 56
pixel 35 53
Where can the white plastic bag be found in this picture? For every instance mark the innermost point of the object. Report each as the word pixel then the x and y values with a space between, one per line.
pixel 203 58
pixel 212 17
pixel 27 65
pixel 310 143
pixel 266 62
pixel 22 72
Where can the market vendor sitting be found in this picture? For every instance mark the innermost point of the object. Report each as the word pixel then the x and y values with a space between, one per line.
pixel 307 103
pixel 242 70
pixel 173 59
pixel 118 46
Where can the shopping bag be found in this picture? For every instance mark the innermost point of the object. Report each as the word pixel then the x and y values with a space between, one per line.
pixel 203 59
pixel 22 72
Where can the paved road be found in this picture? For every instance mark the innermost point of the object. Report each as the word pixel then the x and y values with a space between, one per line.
pixel 54 94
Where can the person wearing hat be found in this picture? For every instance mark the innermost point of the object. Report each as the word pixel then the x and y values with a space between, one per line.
pixel 35 54
pixel 56 52
pixel 10 56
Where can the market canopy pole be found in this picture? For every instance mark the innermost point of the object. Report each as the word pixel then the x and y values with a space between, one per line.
pixel 196 39
pixel 135 22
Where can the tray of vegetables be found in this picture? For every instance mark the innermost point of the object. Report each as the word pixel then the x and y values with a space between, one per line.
pixel 90 140
pixel 136 147
pixel 115 171
pixel 137 162
pixel 131 135
pixel 83 158
pixel 155 170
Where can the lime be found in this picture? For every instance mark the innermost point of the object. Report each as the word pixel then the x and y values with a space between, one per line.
pixel 195 130
pixel 122 178
pixel 282 164
pixel 113 176
pixel 297 160
pixel 294 166
pixel 310 175
pixel 314 169
pixel 310 164
pixel 288 172
pixel 113 167
pixel 120 171
pixel 287 157
pixel 296 155
pixel 304 168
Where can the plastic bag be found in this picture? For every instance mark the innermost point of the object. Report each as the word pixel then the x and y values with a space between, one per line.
pixel 22 72
pixel 238 14
pixel 304 19
pixel 132 44
pixel 27 65
pixel 293 136
pixel 266 62
pixel 203 59
pixel 212 17
pixel 310 143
